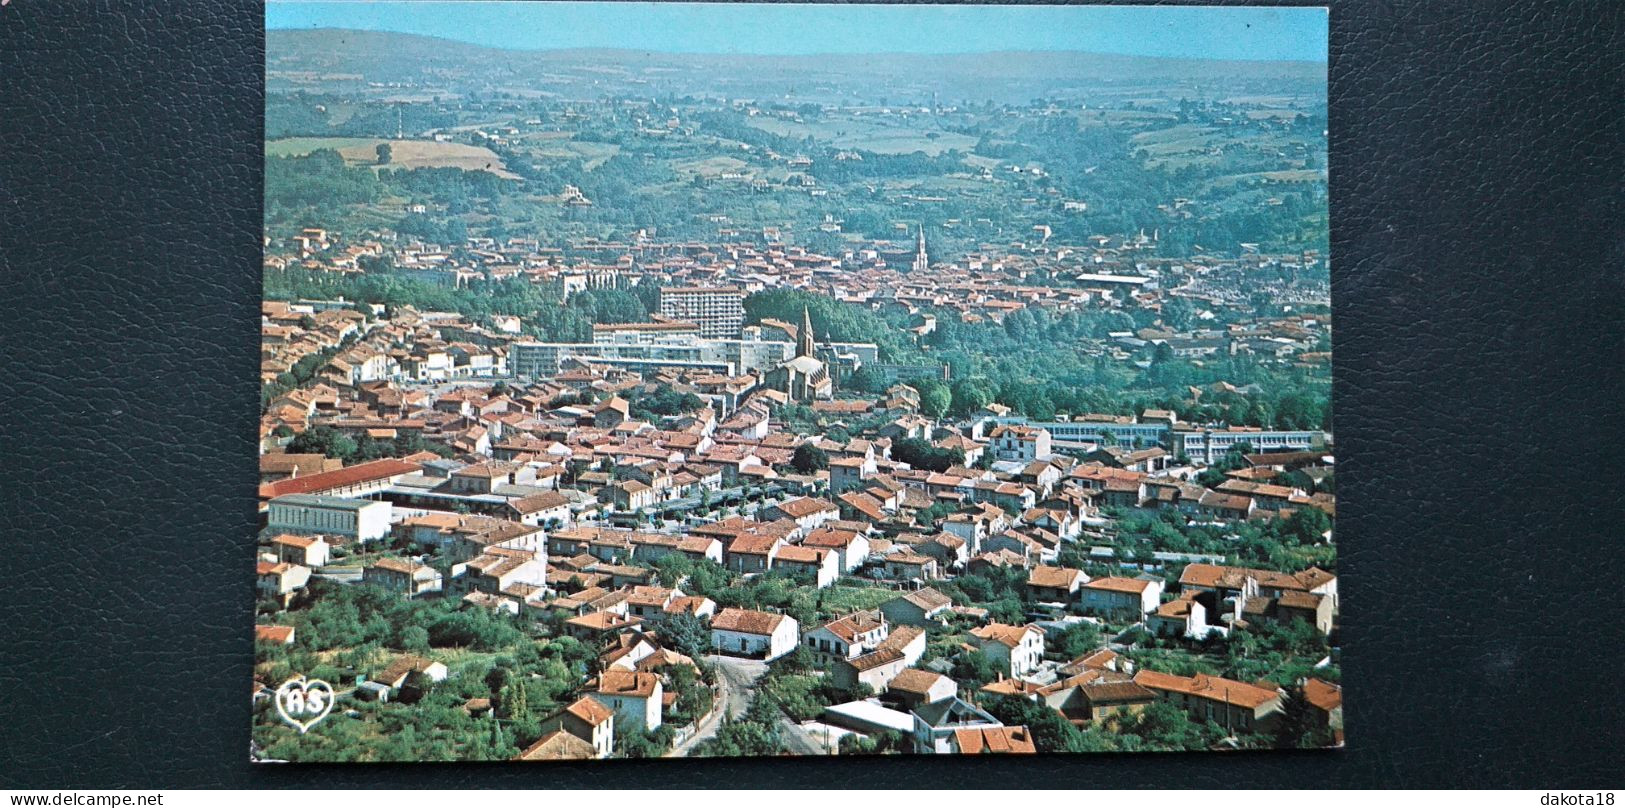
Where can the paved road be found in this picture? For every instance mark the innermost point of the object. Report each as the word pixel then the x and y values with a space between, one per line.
pixel 736 688
pixel 796 741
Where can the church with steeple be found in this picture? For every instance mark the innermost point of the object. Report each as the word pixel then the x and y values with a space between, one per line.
pixel 804 378
pixel 921 261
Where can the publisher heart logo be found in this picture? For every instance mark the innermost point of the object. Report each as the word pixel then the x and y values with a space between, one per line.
pixel 303 702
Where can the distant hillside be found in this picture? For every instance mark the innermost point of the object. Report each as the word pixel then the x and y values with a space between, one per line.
pixel 382 57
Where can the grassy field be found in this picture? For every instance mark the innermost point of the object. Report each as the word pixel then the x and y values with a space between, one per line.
pixel 708 167
pixel 840 600
pixel 1122 117
pixel 558 146
pixel 403 153
pixel 1264 100
pixel 1187 144
pixel 1301 175
pixel 881 137
pixel 1176 139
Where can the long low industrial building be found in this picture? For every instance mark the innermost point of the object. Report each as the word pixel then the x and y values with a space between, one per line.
pixel 533 360
pixel 1202 444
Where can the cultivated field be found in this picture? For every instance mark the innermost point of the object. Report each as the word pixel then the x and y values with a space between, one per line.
pixel 559 146
pixel 1279 177
pixel 403 153
pixel 882 137
pixel 710 167
pixel 1188 144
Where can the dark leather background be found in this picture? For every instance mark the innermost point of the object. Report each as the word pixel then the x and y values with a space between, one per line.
pixel 1479 262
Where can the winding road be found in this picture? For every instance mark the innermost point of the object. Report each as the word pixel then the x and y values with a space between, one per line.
pixel 736 689
pixel 796 741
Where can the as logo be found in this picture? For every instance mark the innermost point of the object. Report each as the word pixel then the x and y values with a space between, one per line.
pixel 302 702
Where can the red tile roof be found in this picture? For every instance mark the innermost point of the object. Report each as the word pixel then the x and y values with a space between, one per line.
pixel 747 621
pixel 558 745
pixel 1054 577
pixel 279 635
pixel 1004 635
pixel 1323 695
pixel 916 681
pixel 590 710
pixel 995 741
pixel 622 683
pixel 340 478
pixel 1204 686
pixel 1133 586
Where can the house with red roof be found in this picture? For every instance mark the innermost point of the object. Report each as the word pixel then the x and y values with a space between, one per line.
pixel 750 633
pixel 1238 706
pixel 588 720
pixel 635 697
pixel 818 564
pixel 1013 650
pixel 1120 596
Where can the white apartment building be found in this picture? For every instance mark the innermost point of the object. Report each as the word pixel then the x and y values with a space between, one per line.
pixel 718 310
pixel 534 360
pixel 360 519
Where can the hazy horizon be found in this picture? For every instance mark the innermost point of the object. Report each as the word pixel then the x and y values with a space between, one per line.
pixel 770 29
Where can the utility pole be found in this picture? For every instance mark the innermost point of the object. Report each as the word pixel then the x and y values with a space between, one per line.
pixel 1227 711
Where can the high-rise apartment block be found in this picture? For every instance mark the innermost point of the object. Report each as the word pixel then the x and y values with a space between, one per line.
pixel 718 310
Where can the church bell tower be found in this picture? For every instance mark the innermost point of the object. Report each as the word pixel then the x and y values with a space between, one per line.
pixel 804 337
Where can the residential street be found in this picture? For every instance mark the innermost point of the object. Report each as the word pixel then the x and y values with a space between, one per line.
pixel 736 685
pixel 737 689
pixel 796 740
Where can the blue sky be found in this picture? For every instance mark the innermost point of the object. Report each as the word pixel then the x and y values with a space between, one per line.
pixel 1197 32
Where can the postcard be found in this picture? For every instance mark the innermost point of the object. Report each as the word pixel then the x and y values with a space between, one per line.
pixel 715 380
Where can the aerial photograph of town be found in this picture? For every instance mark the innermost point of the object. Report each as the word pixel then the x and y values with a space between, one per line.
pixel 667 380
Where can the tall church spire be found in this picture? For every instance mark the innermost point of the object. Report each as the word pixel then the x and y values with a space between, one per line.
pixel 804 338
pixel 921 261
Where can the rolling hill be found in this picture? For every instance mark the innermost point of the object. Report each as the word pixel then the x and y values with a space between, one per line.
pixel 346 60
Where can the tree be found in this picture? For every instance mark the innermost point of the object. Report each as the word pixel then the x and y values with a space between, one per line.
pixel 510 697
pixel 970 395
pixel 415 639
pixel 922 455
pixel 756 735
pixel 1179 313
pixel 417 685
pixel 889 742
pixel 694 697
pixel 1051 731
pixel 1076 640
pixel 324 440
pixel 384 152
pixel 973 668
pixel 633 741
pixel 833 320
pixel 688 635
pixel 1306 525
pixel 865 380
pixel 1163 727
pixel 1296 729
pixel 672 569
pixel 935 400
pixel 809 458
pixel 800 660
pixel 495 746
